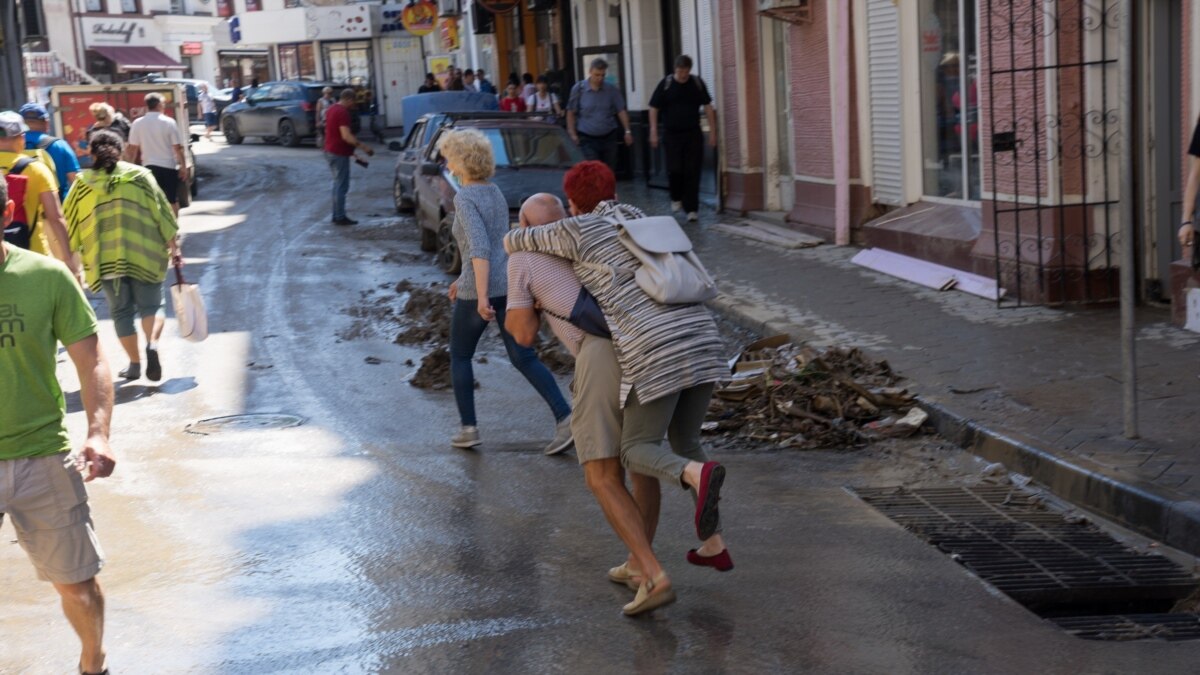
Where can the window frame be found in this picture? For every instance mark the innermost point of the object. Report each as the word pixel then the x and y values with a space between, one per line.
pixel 137 7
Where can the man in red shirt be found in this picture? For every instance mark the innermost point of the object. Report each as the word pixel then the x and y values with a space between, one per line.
pixel 340 144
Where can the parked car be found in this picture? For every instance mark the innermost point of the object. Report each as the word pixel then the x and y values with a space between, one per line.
pixel 284 111
pixel 428 112
pixel 532 156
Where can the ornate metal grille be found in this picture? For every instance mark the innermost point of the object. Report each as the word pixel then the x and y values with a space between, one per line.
pixel 1051 80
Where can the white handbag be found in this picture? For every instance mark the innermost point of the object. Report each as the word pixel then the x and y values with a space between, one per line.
pixel 670 272
pixel 190 314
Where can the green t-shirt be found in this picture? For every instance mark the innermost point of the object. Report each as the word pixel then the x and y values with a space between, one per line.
pixel 40 306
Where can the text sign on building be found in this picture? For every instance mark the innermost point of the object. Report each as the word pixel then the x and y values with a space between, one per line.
pixel 192 48
pixel 103 31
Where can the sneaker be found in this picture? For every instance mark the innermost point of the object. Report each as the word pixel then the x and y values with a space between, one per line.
pixel 562 437
pixel 133 372
pixel 693 216
pixel 467 437
pixel 676 207
pixel 344 221
pixel 153 366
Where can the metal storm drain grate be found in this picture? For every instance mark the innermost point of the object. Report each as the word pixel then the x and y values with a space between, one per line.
pixel 1064 570
pixel 246 422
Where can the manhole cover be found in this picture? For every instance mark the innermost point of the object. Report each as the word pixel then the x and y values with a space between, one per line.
pixel 246 422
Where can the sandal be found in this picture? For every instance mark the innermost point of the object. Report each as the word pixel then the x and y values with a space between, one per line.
pixel 624 574
pixel 647 600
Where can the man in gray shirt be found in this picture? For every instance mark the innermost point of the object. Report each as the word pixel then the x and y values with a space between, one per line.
pixel 596 114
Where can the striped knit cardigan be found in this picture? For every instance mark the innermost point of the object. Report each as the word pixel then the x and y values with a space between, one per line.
pixel 662 349
pixel 122 222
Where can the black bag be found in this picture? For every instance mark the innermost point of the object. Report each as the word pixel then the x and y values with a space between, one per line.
pixel 587 315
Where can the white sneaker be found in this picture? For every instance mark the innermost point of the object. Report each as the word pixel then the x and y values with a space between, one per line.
pixel 693 216
pixel 467 437
pixel 562 437
pixel 676 207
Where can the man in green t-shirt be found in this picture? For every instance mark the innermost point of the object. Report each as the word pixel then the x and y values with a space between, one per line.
pixel 41 486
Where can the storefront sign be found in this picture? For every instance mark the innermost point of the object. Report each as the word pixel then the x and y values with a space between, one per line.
pixel 191 48
pixel 420 18
pixel 449 30
pixel 440 67
pixel 329 23
pixel 102 31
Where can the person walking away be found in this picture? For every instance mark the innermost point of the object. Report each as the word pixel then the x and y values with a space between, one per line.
pixel 539 281
pixel 41 486
pixel 512 101
pixel 527 86
pixel 122 222
pixel 596 115
pixel 44 230
pixel 485 85
pixel 676 103
pixel 208 107
pixel 480 221
pixel 430 86
pixel 671 357
pixel 543 101
pixel 38 138
pixel 156 142
pixel 323 105
pixel 340 144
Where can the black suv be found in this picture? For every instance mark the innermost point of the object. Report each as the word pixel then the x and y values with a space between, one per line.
pixel 277 111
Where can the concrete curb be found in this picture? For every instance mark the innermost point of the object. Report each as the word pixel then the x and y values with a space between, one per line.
pixel 1163 514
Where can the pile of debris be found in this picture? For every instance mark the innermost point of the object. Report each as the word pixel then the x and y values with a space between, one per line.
pixel 427 311
pixel 799 397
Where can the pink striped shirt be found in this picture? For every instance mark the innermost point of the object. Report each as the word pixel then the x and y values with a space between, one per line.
pixel 551 282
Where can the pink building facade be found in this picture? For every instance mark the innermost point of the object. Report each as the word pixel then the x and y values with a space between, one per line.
pixel 983 134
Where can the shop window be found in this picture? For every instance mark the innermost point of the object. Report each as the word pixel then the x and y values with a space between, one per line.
pixel 297 61
pixel 950 99
pixel 349 63
pixel 253 6
pixel 94 6
pixel 131 7
pixel 225 8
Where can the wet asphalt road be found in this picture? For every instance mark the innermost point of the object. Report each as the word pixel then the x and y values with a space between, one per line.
pixel 360 542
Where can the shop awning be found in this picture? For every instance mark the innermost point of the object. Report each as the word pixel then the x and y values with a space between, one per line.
pixel 138 58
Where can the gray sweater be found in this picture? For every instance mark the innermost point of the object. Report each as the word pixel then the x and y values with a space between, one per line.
pixel 480 223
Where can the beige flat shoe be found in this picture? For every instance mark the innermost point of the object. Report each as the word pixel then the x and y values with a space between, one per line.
pixel 647 599
pixel 624 574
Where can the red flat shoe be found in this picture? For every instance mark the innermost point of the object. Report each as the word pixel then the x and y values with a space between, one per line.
pixel 721 561
pixel 712 475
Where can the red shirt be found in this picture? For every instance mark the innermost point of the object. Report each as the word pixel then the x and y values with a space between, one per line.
pixel 336 117
pixel 512 105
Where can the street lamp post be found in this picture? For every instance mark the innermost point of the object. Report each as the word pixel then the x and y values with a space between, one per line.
pixel 1128 226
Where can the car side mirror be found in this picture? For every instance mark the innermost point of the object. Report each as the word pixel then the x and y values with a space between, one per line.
pixel 431 169
pixel 395 146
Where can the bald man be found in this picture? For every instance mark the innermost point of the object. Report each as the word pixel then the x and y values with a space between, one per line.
pixel 537 281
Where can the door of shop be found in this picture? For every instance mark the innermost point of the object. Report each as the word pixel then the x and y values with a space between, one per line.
pixel 1055 130
pixel 1162 189
pixel 403 73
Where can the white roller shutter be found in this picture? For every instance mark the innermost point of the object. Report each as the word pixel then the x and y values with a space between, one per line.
pixel 706 57
pixel 883 58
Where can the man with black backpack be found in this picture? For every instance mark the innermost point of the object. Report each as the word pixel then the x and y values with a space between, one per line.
pixel 679 98
pixel 39 224
pixel 66 163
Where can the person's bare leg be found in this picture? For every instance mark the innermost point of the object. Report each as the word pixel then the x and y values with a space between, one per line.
pixel 152 326
pixel 83 604
pixel 605 479
pixel 647 493
pixel 130 343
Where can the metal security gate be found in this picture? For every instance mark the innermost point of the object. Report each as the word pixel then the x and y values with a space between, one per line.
pixel 1052 89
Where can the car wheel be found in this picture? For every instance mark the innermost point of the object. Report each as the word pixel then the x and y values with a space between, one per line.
pixel 231 132
pixel 287 134
pixel 403 204
pixel 448 255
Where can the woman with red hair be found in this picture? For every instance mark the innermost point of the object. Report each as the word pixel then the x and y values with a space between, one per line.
pixel 671 357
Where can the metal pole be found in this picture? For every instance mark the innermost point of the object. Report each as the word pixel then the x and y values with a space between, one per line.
pixel 1128 226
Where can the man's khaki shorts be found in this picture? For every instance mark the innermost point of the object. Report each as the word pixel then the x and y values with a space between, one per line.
pixel 596 390
pixel 47 504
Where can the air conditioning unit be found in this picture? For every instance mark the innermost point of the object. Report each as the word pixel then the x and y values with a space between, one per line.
pixel 792 11
pixel 449 7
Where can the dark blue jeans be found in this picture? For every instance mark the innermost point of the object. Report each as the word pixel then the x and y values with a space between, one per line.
pixel 601 148
pixel 466 327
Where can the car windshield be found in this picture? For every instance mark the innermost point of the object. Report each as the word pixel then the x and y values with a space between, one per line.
pixel 532 146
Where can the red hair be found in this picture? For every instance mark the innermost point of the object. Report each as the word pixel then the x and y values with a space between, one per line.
pixel 589 183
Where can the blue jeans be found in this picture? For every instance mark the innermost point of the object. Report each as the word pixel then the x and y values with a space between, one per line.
pixel 466 327
pixel 340 166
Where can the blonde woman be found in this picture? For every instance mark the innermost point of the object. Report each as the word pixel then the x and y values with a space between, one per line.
pixel 107 118
pixel 479 294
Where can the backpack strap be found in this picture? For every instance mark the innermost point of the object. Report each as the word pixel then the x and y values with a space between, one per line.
pixel 21 165
pixel 45 142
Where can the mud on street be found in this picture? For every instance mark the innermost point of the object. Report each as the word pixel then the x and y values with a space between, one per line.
pixel 359 541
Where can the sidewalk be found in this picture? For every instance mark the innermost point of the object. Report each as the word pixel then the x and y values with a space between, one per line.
pixel 1036 388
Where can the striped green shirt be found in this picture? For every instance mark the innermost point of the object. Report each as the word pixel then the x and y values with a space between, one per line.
pixel 122 222
pixel 662 349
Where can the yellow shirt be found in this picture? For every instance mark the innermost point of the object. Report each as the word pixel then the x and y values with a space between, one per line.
pixel 40 180
pixel 44 156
